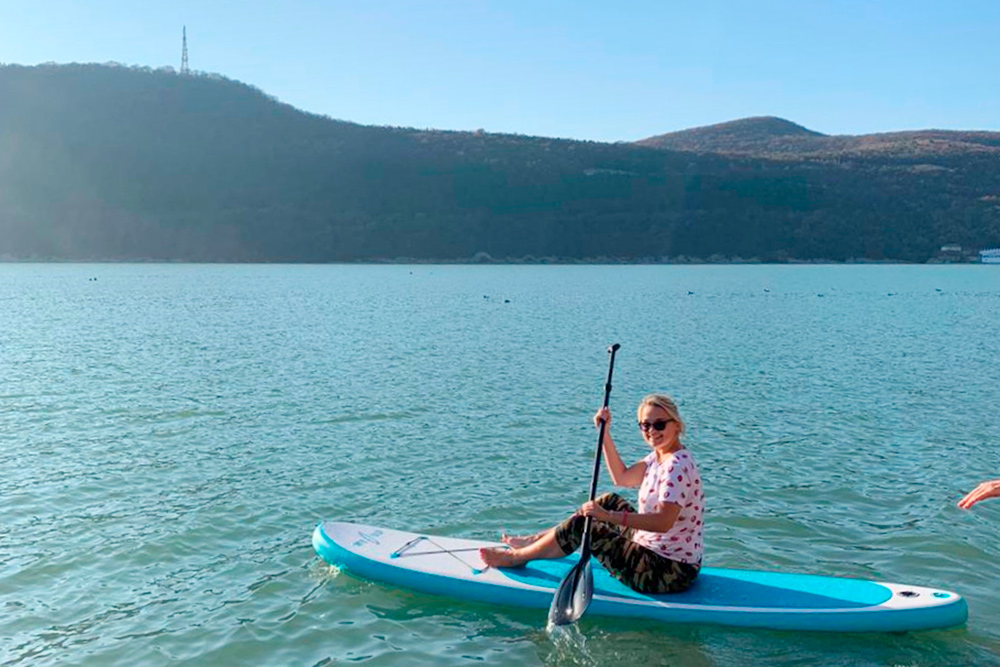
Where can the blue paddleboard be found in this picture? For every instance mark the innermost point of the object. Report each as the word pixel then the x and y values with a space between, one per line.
pixel 749 598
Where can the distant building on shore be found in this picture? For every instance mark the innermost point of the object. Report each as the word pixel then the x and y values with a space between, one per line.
pixel 990 256
pixel 953 253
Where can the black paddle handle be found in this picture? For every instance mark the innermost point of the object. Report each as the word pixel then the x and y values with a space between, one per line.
pixel 600 447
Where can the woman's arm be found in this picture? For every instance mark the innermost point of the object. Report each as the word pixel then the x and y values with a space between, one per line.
pixel 620 475
pixel 990 489
pixel 659 521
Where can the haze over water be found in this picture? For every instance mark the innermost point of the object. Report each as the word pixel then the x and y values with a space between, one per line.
pixel 170 434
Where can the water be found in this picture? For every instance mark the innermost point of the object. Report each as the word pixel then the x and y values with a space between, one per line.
pixel 170 434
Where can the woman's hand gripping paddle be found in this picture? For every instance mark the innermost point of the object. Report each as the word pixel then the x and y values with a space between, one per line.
pixel 577 587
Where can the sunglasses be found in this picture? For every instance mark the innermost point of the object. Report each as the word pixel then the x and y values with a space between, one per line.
pixel 658 425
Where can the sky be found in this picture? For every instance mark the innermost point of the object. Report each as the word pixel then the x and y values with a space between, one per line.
pixel 589 69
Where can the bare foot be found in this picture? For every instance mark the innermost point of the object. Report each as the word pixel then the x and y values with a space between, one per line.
pixel 518 541
pixel 494 557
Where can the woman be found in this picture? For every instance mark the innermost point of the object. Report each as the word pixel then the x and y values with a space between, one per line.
pixel 656 549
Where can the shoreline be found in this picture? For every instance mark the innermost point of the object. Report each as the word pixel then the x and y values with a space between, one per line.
pixel 490 261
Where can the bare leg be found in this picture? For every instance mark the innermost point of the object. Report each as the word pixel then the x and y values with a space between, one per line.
pixel 545 547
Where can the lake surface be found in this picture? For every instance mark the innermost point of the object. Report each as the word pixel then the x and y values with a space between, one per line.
pixel 171 434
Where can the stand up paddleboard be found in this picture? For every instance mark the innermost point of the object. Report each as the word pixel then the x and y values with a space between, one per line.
pixel 451 567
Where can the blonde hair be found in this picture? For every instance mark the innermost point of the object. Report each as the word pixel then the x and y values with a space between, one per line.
pixel 665 403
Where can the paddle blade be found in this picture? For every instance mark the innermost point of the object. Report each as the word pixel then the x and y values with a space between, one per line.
pixel 573 595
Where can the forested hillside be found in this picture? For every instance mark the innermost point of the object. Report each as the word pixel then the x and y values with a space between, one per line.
pixel 116 163
pixel 779 139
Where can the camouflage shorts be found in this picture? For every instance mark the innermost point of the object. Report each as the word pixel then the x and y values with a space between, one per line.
pixel 634 565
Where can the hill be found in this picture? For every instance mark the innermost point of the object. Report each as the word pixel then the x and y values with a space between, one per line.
pixel 748 135
pixel 116 163
pixel 780 139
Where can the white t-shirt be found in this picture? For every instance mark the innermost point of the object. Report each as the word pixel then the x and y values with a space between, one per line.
pixel 675 480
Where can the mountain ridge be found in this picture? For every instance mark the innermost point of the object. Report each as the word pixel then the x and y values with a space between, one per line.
pixel 772 137
pixel 117 163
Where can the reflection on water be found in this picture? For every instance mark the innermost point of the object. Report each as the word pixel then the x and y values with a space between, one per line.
pixel 324 572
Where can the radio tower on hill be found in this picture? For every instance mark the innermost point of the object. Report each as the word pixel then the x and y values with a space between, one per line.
pixel 184 52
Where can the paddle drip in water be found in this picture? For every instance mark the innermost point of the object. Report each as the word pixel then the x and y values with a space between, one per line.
pixel 570 645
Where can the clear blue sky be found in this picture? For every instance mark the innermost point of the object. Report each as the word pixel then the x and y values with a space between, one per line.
pixel 586 69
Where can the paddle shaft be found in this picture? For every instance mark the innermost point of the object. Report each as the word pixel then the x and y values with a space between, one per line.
pixel 585 549
pixel 577 588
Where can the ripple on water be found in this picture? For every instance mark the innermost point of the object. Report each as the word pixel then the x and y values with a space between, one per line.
pixel 170 435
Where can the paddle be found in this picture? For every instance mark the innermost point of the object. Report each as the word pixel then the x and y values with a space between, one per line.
pixel 577 588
